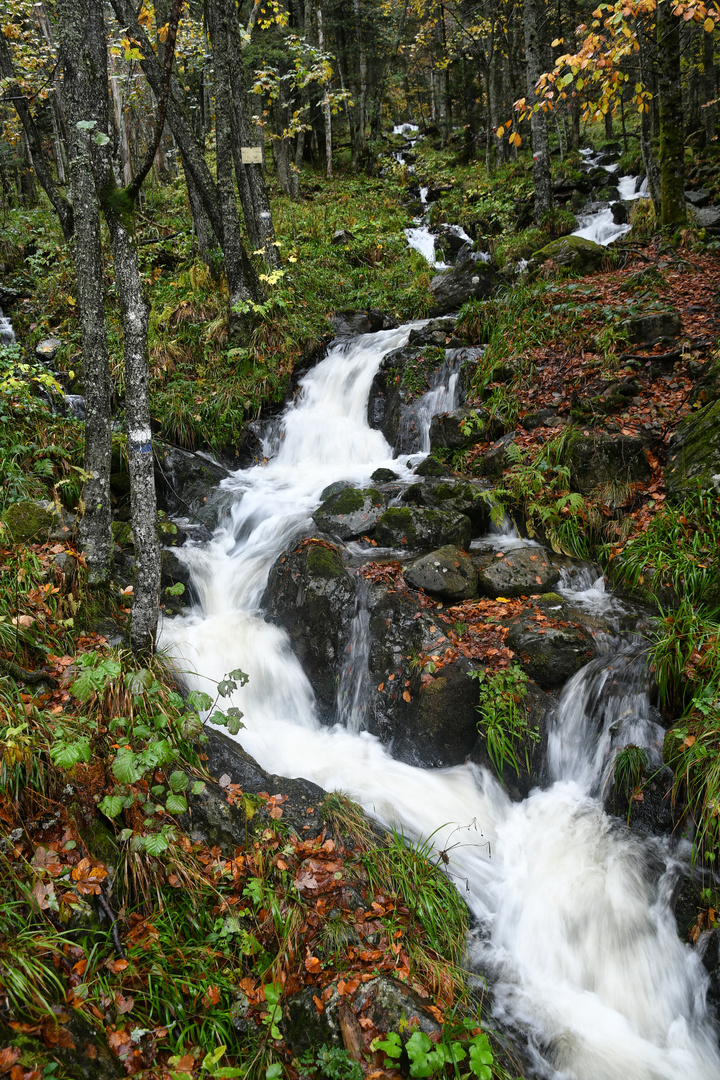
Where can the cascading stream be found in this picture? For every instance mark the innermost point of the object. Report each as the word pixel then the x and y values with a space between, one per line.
pixel 575 923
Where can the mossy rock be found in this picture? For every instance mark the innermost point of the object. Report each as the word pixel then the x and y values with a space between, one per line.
pixel 603 459
pixel 694 454
pixel 573 253
pixel 520 572
pixel 550 655
pixel 448 573
pixel 350 513
pixel 27 521
pixel 422 527
pixel 122 534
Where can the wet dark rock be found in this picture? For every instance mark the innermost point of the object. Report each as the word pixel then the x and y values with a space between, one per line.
pixel 549 655
pixel 78 1044
pixel 174 572
pixel 349 324
pixel 538 708
pixel 465 281
pixel 495 459
pixel 187 485
pixel 646 328
pixel 333 489
pixel 463 428
pixel 389 1003
pixel 694 454
pixel 350 513
pixel 619 213
pixel 312 595
pixel 448 573
pixel 463 496
pixel 651 812
pixel 602 459
pixel 519 572
pixel 434 332
pixel 212 820
pixel 384 476
pixel 422 527
pixel 430 466
pixel 707 388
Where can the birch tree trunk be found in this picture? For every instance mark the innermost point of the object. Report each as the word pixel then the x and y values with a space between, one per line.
pixel 709 85
pixel 327 111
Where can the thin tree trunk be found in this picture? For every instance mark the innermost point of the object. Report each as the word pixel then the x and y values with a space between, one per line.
pixel 672 139
pixel 327 111
pixel 709 85
pixel 651 169
pixel 538 120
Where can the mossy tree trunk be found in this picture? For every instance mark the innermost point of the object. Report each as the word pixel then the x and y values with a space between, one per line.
pixel 673 210
pixel 538 121
pixel 84 53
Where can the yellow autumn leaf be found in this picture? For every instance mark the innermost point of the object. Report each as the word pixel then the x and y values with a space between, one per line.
pixel 500 132
pixel 502 600
pixel 163 32
pixel 709 25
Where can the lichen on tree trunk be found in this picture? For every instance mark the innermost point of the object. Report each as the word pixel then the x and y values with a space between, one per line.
pixel 672 139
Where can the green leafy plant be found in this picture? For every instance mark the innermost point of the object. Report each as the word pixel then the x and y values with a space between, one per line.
pixel 459 1044
pixel 504 720
pixel 330 1063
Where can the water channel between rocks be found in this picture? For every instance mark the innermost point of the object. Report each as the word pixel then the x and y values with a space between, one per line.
pixel 575 926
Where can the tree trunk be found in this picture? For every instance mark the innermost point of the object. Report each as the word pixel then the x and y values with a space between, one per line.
pixel 709 85
pixel 649 162
pixel 359 149
pixel 60 204
pixel 95 534
pixel 327 111
pixel 82 33
pixel 672 140
pixel 538 120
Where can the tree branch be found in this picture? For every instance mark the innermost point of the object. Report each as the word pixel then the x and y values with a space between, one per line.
pixel 173 23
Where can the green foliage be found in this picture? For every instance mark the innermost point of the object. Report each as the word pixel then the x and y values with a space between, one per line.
pixel 330 1063
pixel 680 548
pixel 459 1043
pixel 417 370
pixel 629 770
pixel 504 720
pixel 29 982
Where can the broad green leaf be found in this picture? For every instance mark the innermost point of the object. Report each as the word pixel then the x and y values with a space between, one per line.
pixel 111 805
pixel 176 804
pixel 178 781
pixel 239 676
pixel 226 687
pixel 196 699
pixel 155 844
pixel 125 767
pixel 212 1058
pixel 67 755
pixel 138 681
pixel 197 788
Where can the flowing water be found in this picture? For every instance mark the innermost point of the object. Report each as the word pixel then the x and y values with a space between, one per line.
pixel 575 926
pixel 597 224
pixel 7 334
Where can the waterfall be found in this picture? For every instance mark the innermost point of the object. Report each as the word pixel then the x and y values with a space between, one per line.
pixel 7 334
pixel 576 927
pixel 354 689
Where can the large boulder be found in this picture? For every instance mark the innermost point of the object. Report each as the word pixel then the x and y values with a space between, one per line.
pixel 463 496
pixel 694 454
pixel 214 821
pixel 423 528
pixel 520 572
pixel 550 654
pixel 572 253
pixel 439 727
pixel 601 459
pixel 537 708
pixel 448 573
pixel 465 281
pixel 350 513
pixel 27 522
pixel 312 595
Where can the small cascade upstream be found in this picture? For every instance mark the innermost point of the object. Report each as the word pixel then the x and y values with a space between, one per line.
pixel 575 926
pixel 7 334
pixel 597 223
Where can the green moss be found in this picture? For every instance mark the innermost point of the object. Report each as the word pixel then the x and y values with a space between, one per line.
pixel 324 562
pixel 116 201
pixel 27 521
pixel 345 502
pixel 551 598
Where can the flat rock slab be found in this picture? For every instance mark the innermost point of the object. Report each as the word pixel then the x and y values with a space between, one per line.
pixel 462 282
pixel 520 572
pixel 448 573
pixel 350 513
pixel 659 324
pixel 422 527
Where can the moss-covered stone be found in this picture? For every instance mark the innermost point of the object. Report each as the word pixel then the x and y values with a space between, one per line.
pixel 422 527
pixel 27 521
pixel 324 562
pixel 350 513
pixel 572 253
pixel 604 459
pixel 694 454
